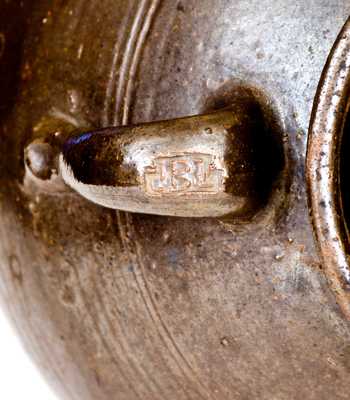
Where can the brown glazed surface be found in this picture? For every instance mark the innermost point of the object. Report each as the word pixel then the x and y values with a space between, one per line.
pixel 328 168
pixel 121 306
pixel 210 165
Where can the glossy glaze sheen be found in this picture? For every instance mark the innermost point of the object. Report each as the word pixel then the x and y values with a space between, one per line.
pixel 119 306
pixel 214 165
pixel 328 127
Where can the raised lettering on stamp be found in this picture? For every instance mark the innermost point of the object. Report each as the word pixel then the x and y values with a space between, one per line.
pixel 183 174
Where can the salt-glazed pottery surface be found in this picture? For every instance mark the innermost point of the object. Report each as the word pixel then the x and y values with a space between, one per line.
pixel 201 258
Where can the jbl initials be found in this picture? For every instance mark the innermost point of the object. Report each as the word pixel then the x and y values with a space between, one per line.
pixel 190 173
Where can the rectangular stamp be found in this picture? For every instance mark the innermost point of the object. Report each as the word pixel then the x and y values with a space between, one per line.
pixel 183 174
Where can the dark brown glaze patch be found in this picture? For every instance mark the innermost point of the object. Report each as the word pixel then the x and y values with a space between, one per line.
pixel 96 159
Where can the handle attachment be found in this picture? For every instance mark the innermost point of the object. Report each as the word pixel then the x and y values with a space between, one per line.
pixel 209 165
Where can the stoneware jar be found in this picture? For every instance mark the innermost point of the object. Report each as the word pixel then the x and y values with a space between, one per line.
pixel 173 196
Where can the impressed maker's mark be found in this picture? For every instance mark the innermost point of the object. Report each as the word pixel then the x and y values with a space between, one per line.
pixel 183 174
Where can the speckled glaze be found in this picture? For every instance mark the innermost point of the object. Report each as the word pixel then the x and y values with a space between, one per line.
pixel 113 305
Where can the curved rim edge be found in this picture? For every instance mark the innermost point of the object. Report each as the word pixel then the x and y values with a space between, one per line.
pixel 323 165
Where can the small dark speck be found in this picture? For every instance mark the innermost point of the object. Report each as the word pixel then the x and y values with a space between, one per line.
pixel 325 231
pixel 342 65
pixel 98 379
pixel 325 33
pixel 318 175
pixel 131 268
pixel 260 55
pixel 180 7
pixel 322 204
pixel 173 257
